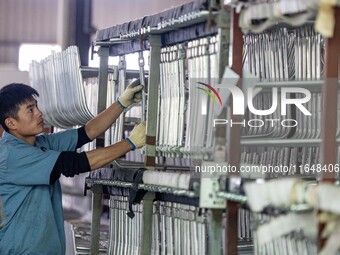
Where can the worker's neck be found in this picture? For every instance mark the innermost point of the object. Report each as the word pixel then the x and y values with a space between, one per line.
pixel 28 139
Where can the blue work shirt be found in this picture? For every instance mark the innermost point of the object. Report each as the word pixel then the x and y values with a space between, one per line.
pixel 31 214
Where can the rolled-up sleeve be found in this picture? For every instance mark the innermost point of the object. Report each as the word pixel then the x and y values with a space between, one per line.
pixel 61 141
pixel 31 166
pixel 24 164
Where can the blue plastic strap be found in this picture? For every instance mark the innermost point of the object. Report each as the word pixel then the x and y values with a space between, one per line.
pixel 133 145
pixel 121 104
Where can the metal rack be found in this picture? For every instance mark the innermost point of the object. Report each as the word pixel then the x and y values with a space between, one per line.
pixel 147 187
pixel 153 35
pixel 328 142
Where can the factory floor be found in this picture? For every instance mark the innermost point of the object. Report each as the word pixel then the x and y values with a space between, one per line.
pixel 78 233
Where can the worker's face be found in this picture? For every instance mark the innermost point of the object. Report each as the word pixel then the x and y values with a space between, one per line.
pixel 29 121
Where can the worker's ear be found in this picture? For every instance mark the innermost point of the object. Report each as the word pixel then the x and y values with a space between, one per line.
pixel 10 123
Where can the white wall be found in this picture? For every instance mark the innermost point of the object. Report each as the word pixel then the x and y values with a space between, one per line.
pixel 11 74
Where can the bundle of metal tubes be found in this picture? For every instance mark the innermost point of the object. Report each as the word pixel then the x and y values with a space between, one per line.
pixel 177 228
pixel 259 15
pixel 185 110
pixel 280 58
pixel 179 225
pixel 286 58
pixel 58 78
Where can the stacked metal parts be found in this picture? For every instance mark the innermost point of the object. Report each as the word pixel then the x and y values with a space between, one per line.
pixel 173 224
pixel 59 81
pixel 281 58
pixel 183 107
pixel 202 66
pixel 172 101
pixel 179 225
pixel 177 228
pixel 257 16
pixel 91 87
pixel 125 233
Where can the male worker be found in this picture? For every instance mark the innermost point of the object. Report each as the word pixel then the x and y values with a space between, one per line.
pixel 31 216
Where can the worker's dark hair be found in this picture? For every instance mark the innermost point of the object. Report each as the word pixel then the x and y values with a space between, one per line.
pixel 11 97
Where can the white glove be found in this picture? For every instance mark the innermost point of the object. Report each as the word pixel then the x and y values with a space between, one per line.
pixel 137 137
pixel 330 220
pixel 132 94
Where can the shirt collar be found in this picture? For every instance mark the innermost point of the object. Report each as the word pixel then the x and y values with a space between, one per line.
pixel 13 139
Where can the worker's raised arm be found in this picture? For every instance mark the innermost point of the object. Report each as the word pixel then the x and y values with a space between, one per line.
pixel 70 163
pixel 100 157
pixel 99 124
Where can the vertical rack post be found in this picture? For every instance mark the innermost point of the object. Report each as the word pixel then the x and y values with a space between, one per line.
pixel 223 23
pixel 329 120
pixel 103 53
pixel 216 219
pixel 154 79
pixel 97 190
pixel 119 128
pixel 151 131
pixel 234 147
pixel 97 193
pixel 216 215
pixel 215 231
pixel 142 82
